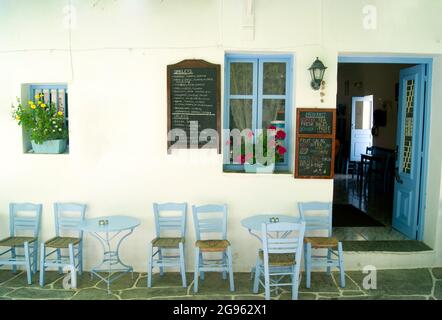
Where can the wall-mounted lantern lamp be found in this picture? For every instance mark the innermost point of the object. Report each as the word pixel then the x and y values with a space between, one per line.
pixel 317 72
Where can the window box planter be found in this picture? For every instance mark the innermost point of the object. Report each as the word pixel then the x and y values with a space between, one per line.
pixel 50 146
pixel 259 168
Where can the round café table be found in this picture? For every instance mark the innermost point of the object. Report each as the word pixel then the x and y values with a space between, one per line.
pixel 111 262
pixel 254 223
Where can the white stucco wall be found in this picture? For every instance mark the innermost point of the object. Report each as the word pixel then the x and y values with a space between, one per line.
pixel 117 96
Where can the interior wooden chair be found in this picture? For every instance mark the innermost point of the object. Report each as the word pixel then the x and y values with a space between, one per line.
pixel 68 236
pixel 175 224
pixel 24 231
pixel 210 220
pixel 382 169
pixel 333 247
pixel 280 257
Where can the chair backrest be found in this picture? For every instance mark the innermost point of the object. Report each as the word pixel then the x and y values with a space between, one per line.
pixel 209 219
pixel 175 222
pixel 24 218
pixel 283 237
pixel 68 217
pixel 314 221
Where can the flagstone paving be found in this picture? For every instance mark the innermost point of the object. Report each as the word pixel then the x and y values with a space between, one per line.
pixel 400 284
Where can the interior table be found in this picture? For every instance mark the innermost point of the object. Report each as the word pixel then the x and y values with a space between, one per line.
pixel 105 233
pixel 368 160
pixel 254 223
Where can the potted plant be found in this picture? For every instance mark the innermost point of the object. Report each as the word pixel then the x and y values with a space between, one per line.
pixel 267 150
pixel 45 125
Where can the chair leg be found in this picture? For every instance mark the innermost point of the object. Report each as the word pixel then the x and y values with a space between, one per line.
pixel 202 273
pixel 295 285
pixel 149 265
pixel 197 266
pixel 160 256
pixel 225 262
pixel 257 275
pixel 182 265
pixel 308 256
pixel 266 283
pixel 80 258
pixel 13 256
pixel 60 270
pixel 28 263
pixel 72 266
pixel 229 258
pixel 341 265
pixel 329 252
pixel 42 264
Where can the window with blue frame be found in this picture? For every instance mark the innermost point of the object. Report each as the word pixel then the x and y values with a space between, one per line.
pixel 258 93
pixel 56 94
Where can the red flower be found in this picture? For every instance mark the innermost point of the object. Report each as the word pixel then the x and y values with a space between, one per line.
pixel 241 159
pixel 280 135
pixel 272 128
pixel 281 150
pixel 248 156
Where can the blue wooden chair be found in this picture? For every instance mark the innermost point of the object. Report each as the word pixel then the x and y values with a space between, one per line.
pixel 163 241
pixel 280 257
pixel 317 222
pixel 68 236
pixel 24 231
pixel 211 237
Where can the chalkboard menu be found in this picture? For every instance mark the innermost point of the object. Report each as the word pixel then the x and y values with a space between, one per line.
pixel 314 157
pixel 315 122
pixel 193 105
pixel 315 143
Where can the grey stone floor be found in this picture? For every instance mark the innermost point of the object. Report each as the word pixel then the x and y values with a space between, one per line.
pixel 410 284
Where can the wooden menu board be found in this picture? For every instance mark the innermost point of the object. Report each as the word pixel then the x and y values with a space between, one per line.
pixel 315 143
pixel 194 94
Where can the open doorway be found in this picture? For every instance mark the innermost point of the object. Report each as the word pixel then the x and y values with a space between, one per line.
pixel 373 103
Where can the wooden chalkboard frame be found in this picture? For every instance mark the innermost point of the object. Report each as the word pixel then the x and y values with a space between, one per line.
pixel 318 136
pixel 194 64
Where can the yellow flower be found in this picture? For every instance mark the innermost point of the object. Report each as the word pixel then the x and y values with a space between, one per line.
pixel 17 118
pixel 30 102
pixel 37 96
pixel 33 106
pixel 60 113
pixel 43 105
pixel 39 102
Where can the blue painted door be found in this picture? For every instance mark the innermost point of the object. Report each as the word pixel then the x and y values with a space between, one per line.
pixel 361 124
pixel 409 150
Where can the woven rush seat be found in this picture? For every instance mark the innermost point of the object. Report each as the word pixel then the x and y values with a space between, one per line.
pixel 279 259
pixel 167 242
pixel 61 242
pixel 322 242
pixel 16 241
pixel 212 245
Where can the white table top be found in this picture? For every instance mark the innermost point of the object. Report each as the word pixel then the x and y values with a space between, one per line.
pixel 115 223
pixel 255 222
